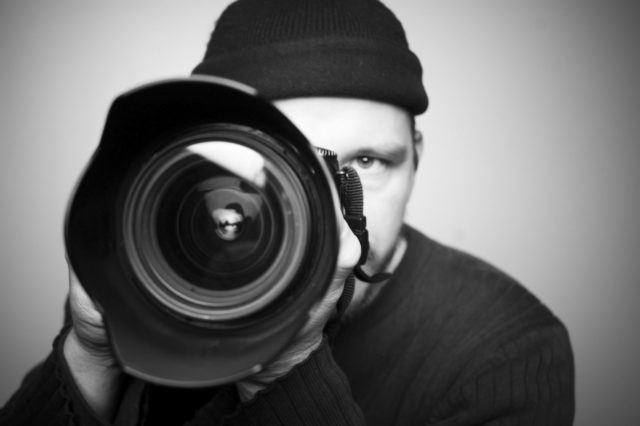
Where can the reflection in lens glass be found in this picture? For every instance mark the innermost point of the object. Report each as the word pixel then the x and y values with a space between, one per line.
pixel 237 159
pixel 218 233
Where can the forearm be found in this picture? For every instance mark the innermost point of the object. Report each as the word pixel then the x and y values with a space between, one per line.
pixel 48 395
pixel 249 387
pixel 314 392
pixel 98 381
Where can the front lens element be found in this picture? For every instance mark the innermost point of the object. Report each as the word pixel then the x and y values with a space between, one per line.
pixel 216 225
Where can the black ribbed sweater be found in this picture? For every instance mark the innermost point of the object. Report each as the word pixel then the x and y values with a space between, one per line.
pixel 449 340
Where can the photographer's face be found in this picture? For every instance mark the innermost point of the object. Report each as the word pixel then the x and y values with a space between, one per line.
pixel 377 140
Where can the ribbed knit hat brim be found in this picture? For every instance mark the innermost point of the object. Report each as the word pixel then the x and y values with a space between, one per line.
pixel 300 48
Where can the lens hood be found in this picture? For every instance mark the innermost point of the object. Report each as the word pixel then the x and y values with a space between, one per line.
pixel 204 228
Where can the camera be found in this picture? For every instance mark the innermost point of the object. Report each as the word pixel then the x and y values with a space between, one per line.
pixel 204 228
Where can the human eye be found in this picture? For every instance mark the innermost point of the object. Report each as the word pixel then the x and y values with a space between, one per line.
pixel 369 164
pixel 376 164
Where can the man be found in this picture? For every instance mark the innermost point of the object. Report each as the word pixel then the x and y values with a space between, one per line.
pixel 446 340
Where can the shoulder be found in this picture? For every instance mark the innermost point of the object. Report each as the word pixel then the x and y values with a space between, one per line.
pixel 474 291
pixel 476 310
pixel 488 334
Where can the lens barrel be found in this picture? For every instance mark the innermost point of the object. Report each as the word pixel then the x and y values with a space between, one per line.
pixel 205 228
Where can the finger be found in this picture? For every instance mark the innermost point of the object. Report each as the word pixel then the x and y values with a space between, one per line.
pixel 349 254
pixel 80 302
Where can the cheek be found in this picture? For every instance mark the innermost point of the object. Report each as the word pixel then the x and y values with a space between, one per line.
pixel 385 210
pixel 384 225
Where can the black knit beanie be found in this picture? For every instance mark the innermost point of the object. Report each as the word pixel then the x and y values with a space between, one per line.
pixel 299 48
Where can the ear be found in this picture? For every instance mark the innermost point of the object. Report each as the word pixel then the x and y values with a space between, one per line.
pixel 417 147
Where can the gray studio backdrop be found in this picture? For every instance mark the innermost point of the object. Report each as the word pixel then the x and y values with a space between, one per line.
pixel 531 156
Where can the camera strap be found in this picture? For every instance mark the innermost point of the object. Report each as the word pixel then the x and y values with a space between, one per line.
pixel 352 200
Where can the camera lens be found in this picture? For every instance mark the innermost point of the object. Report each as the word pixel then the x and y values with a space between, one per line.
pixel 216 225
pixel 205 227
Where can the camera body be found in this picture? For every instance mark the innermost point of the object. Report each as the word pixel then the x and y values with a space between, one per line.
pixel 204 228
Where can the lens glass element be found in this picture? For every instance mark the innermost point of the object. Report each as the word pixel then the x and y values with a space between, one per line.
pixel 216 225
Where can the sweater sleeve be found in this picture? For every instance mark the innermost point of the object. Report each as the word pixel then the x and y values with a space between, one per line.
pixel 48 395
pixel 315 392
pixel 528 381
